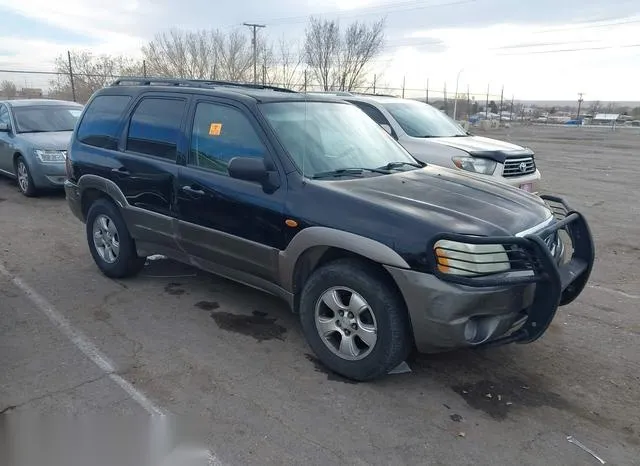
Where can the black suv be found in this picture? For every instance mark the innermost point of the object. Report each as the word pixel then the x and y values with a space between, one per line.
pixel 307 198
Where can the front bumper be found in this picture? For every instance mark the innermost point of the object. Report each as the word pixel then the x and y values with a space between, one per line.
pixel 48 175
pixel 449 311
pixel 520 181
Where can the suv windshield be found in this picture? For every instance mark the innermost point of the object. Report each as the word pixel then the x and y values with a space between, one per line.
pixel 45 118
pixel 325 137
pixel 420 120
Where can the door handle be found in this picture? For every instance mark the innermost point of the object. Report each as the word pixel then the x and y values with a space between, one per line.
pixel 191 190
pixel 120 171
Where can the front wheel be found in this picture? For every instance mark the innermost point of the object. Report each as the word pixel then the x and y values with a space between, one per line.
pixel 110 243
pixel 355 320
pixel 25 180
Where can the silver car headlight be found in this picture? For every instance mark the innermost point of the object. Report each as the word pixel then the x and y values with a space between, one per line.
pixel 475 165
pixel 49 156
pixel 455 258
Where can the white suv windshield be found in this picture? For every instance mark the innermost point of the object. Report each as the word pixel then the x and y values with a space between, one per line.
pixel 420 120
pixel 324 137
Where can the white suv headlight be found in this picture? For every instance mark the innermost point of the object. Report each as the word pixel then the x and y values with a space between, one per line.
pixel 475 165
pixel 465 259
pixel 51 155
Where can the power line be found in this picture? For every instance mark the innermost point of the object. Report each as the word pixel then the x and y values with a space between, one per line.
pixel 542 52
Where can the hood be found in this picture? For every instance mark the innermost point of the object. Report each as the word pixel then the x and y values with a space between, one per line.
pixel 449 200
pixel 483 147
pixel 54 140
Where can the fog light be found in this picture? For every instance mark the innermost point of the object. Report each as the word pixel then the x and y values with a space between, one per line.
pixel 471 330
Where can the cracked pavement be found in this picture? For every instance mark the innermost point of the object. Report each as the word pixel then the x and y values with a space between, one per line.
pixel 234 361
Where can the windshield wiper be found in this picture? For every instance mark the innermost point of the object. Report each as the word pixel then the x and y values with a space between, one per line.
pixel 392 165
pixel 35 131
pixel 348 171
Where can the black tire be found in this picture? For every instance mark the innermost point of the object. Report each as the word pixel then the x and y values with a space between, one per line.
pixel 127 263
pixel 30 190
pixel 394 340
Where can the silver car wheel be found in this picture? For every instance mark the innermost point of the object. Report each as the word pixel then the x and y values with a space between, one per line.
pixel 346 323
pixel 106 239
pixel 23 176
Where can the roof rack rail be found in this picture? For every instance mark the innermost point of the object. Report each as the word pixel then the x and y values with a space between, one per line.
pixel 142 81
pixel 376 94
pixel 342 93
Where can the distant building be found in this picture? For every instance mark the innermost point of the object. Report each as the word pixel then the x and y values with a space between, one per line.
pixel 605 118
pixel 31 93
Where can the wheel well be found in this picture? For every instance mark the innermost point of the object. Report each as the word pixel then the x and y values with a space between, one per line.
pixel 318 256
pixel 15 158
pixel 89 196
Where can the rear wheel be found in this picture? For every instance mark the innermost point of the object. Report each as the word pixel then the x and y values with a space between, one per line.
pixel 25 180
pixel 354 320
pixel 110 243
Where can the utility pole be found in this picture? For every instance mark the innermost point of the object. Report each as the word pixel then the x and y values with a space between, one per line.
pixel 427 92
pixel 468 103
pixel 404 80
pixel 501 102
pixel 73 84
pixel 374 83
pixel 486 107
pixel 254 41
pixel 511 112
pixel 144 68
pixel 580 100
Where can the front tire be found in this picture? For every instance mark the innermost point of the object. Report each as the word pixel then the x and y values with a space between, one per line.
pixel 25 180
pixel 111 245
pixel 354 320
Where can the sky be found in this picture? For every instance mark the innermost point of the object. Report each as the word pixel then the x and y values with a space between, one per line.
pixel 535 49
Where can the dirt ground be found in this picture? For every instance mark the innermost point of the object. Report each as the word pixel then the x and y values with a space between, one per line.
pixel 233 360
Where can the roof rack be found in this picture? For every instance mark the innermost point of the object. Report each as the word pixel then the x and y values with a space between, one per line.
pixel 141 81
pixel 342 93
pixel 376 94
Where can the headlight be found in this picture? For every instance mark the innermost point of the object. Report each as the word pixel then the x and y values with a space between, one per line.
pixel 475 164
pixel 456 258
pixel 51 155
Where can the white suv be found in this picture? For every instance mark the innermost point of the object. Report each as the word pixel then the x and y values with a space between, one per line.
pixel 432 137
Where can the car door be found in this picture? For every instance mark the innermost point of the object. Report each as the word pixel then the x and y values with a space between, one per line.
pixel 226 222
pixel 6 144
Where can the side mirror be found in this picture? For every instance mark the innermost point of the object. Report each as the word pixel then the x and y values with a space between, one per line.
pixel 248 169
pixel 4 128
pixel 387 128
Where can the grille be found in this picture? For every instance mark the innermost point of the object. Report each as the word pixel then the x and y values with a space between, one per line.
pixel 519 167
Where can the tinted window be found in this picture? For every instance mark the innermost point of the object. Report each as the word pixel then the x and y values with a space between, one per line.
pixel 219 134
pixel 375 114
pixel 42 119
pixel 155 127
pixel 101 120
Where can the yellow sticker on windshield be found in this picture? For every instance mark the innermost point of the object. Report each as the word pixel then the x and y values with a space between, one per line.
pixel 215 129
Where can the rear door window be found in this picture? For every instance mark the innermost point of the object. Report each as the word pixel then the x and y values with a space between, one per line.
pixel 101 122
pixel 375 114
pixel 155 127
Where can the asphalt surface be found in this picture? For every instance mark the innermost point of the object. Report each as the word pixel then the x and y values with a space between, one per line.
pixel 233 361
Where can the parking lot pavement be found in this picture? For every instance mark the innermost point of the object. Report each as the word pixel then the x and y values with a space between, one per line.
pixel 233 357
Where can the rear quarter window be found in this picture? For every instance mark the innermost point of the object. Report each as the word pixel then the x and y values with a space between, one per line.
pixel 101 122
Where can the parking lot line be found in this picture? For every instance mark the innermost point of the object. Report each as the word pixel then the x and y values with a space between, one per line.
pixel 618 292
pixel 82 343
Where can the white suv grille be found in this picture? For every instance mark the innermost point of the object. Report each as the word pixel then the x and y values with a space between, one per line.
pixel 519 167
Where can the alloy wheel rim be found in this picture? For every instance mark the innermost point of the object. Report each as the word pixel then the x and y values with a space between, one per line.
pixel 23 177
pixel 106 238
pixel 346 323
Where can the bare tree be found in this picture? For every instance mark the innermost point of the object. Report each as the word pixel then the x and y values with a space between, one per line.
pixel 341 61
pixel 236 57
pixel 184 54
pixel 360 45
pixel 595 107
pixel 8 89
pixel 287 61
pixel 322 47
pixel 90 73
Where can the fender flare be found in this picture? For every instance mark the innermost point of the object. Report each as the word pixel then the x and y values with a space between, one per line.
pixel 329 237
pixel 102 184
